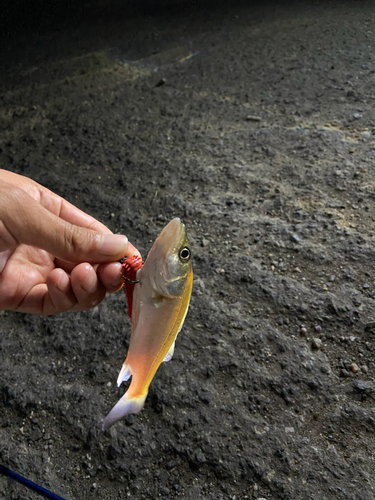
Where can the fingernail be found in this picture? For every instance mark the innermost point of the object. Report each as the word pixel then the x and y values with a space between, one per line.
pixel 113 244
pixel 4 256
pixel 64 282
pixel 91 283
pixel 132 250
pixel 117 282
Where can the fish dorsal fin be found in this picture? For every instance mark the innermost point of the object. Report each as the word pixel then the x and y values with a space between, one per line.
pixel 169 354
pixel 129 269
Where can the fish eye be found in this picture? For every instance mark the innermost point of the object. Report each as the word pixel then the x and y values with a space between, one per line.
pixel 184 254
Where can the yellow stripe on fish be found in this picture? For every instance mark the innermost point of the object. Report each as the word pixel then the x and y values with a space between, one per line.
pixel 160 303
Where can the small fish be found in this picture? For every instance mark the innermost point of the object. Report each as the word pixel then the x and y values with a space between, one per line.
pixel 160 302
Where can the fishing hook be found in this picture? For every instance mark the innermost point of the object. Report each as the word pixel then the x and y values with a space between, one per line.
pixel 130 281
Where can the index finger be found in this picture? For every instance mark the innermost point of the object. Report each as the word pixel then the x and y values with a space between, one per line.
pixel 68 212
pixel 53 202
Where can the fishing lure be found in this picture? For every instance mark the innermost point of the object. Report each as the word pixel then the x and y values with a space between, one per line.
pixel 129 269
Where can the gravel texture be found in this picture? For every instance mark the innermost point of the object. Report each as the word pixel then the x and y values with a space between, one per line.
pixel 255 124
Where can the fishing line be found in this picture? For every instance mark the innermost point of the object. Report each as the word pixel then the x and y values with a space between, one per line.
pixel 29 484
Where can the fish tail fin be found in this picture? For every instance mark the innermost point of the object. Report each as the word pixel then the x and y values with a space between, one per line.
pixel 125 406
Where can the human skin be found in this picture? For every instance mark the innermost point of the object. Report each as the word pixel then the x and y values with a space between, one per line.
pixel 53 256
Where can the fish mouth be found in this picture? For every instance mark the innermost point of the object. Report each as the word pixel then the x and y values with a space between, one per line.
pixel 175 224
pixel 174 232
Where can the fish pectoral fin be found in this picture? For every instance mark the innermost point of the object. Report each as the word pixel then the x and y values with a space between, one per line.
pixel 169 354
pixel 125 374
pixel 125 406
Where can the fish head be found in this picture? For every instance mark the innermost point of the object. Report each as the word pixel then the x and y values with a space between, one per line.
pixel 168 264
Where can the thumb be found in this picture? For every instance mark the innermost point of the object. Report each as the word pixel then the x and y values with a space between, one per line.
pixel 24 220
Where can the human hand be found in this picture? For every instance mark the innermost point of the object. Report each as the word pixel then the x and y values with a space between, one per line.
pixel 53 256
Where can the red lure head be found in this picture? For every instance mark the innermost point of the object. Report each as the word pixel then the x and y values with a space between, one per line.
pixel 129 270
